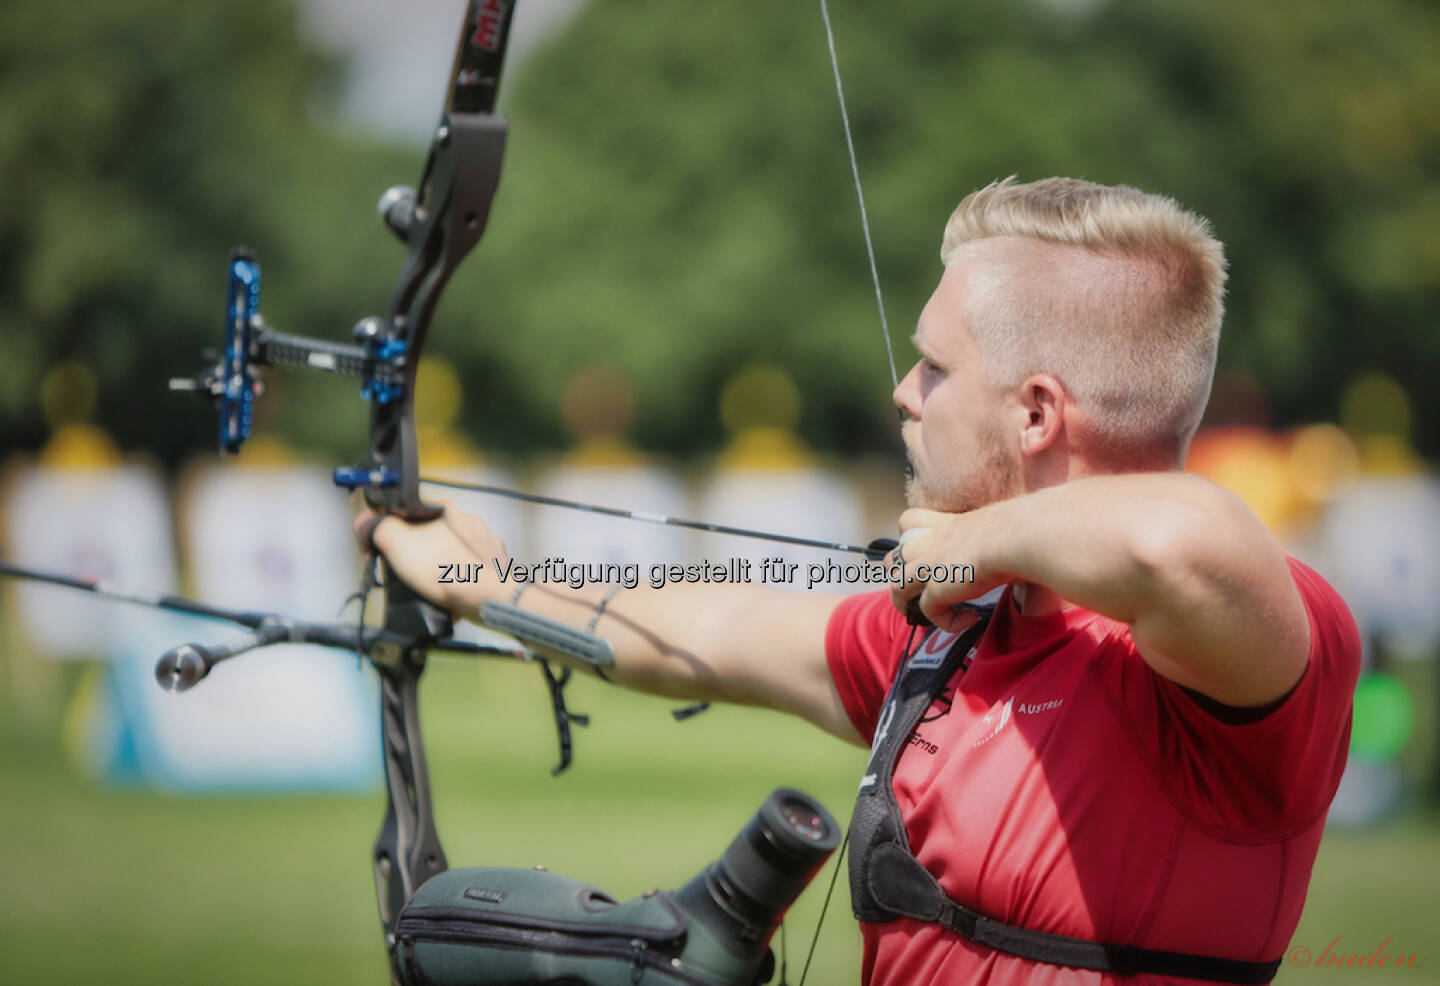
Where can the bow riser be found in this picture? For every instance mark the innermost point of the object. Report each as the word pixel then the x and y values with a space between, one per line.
pixel 439 224
pixel 446 220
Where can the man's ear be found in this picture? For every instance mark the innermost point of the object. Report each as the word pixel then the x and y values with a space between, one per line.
pixel 1042 398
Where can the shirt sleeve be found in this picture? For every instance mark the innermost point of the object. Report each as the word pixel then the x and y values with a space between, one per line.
pixel 1270 776
pixel 864 643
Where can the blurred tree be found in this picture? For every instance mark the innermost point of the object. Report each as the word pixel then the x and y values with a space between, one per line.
pixel 139 142
pixel 676 198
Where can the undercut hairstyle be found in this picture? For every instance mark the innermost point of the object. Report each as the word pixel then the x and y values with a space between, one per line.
pixel 1116 293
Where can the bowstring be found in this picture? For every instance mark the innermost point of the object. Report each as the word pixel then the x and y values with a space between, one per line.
pixel 894 380
pixel 859 190
pixel 834 876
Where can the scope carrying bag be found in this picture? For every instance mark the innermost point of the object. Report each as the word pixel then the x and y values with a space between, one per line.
pixel 491 926
pixel 509 926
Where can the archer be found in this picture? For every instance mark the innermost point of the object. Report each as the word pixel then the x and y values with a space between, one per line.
pixel 1125 764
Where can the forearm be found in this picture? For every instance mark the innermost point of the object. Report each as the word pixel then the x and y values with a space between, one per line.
pixel 729 643
pixel 1203 585
pixel 658 636
pixel 1118 545
pixel 732 642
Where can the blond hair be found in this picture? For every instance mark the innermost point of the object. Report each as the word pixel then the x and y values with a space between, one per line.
pixel 1116 293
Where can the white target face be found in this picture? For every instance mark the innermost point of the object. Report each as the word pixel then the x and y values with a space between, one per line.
pixel 1380 540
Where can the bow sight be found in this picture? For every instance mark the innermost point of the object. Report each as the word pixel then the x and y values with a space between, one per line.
pixel 234 383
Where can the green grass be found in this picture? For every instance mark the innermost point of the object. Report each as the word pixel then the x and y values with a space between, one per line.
pixel 124 886
pixel 99 885
pixel 1367 887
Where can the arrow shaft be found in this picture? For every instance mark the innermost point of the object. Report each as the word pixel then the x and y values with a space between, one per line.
pixel 649 518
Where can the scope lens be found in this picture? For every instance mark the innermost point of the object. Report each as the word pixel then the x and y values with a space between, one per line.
pixel 762 872
pixel 803 819
pixel 740 898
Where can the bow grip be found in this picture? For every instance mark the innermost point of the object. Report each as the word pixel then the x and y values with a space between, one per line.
pixel 413 617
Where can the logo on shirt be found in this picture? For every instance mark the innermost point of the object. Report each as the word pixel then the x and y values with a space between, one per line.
pixel 999 718
pixel 932 650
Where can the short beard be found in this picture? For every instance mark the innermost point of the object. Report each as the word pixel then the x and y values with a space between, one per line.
pixel 995 478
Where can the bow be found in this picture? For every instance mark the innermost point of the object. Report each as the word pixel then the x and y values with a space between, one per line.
pixel 439 222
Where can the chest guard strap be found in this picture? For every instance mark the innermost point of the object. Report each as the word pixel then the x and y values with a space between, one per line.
pixel 888 882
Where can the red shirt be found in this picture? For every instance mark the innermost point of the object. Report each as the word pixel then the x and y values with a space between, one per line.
pixel 1062 785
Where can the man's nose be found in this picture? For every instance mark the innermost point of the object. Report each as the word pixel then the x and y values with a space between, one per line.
pixel 906 395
